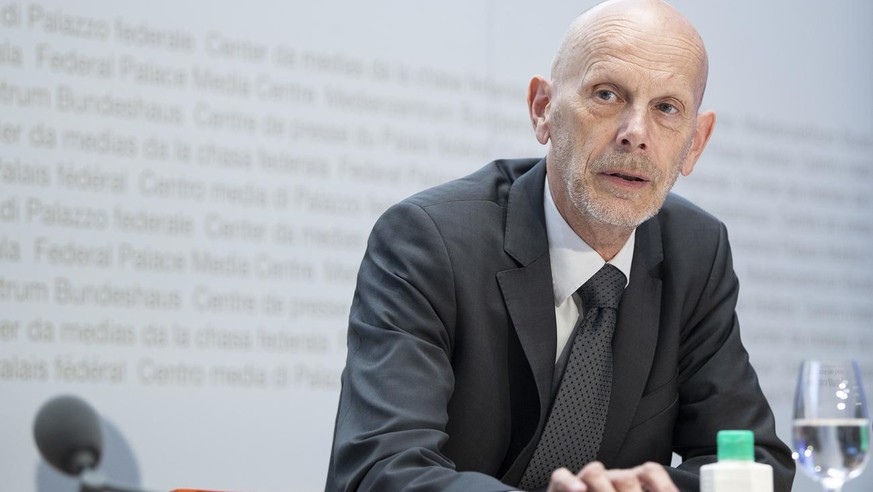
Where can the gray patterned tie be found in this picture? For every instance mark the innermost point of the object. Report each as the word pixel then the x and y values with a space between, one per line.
pixel 574 427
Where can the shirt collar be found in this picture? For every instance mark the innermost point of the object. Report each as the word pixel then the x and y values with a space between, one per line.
pixel 573 260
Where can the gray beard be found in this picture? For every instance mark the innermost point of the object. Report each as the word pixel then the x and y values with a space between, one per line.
pixel 580 196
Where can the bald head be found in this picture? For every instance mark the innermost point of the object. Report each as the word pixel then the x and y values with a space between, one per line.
pixel 637 28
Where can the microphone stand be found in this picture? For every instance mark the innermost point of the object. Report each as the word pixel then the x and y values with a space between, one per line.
pixel 91 480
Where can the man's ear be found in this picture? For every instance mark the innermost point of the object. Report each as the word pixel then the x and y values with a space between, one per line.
pixel 702 132
pixel 539 97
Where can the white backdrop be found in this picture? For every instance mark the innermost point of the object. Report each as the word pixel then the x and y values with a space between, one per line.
pixel 187 191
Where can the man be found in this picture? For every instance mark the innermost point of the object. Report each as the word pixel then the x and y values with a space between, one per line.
pixel 463 323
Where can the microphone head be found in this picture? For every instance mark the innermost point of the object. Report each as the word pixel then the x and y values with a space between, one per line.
pixel 67 433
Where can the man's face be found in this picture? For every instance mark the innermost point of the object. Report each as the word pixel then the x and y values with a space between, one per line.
pixel 622 122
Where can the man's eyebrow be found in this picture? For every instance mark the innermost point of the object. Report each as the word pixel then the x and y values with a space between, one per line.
pixel 600 73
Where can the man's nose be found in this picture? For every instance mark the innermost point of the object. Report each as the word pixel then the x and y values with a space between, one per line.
pixel 633 133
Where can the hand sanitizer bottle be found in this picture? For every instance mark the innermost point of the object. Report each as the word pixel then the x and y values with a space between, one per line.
pixel 736 470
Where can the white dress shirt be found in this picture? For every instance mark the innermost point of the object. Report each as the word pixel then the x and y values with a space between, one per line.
pixel 573 263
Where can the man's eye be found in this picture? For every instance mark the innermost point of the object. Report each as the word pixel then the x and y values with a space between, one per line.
pixel 606 95
pixel 667 108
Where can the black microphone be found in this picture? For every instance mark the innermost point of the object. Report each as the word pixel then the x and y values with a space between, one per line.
pixel 67 433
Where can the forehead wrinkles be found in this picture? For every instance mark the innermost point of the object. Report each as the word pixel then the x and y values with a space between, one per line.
pixel 615 69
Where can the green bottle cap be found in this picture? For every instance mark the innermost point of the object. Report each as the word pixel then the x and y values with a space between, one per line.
pixel 737 445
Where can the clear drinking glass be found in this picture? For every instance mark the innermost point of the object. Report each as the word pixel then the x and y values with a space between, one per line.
pixel 831 425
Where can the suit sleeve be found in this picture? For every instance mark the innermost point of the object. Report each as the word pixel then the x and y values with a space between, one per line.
pixel 718 388
pixel 398 378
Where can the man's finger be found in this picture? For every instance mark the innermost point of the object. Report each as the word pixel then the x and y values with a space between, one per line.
pixel 655 478
pixel 563 480
pixel 595 476
pixel 625 480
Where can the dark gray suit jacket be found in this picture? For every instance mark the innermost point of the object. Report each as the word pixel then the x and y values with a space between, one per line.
pixel 451 344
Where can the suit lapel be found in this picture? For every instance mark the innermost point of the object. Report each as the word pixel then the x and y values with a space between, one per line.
pixel 636 334
pixel 527 291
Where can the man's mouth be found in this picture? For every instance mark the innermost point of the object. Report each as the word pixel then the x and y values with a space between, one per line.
pixel 628 177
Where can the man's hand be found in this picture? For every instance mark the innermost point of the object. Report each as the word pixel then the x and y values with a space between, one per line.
pixel 648 477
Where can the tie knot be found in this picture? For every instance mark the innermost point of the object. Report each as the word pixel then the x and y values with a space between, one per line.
pixel 603 289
